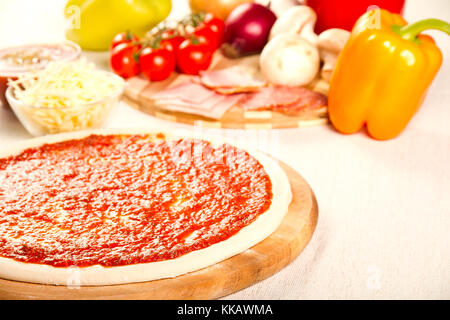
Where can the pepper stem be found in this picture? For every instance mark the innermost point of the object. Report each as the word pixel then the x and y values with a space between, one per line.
pixel 411 31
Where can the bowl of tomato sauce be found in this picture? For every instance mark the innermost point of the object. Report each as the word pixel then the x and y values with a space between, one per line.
pixel 17 60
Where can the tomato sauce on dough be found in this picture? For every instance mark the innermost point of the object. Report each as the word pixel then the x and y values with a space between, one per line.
pixel 125 199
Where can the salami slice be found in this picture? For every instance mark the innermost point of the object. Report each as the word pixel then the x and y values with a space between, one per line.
pixel 310 101
pixel 283 99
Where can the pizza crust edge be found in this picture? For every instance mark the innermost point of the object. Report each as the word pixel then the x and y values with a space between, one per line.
pixel 97 275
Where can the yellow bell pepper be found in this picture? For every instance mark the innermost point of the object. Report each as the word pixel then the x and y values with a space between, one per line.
pixel 383 73
pixel 94 23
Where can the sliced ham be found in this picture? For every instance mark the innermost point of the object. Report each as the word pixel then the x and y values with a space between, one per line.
pixel 214 107
pixel 226 104
pixel 189 91
pixel 233 90
pixel 194 97
pixel 208 104
pixel 231 80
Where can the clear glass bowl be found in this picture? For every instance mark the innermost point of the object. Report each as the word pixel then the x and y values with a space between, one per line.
pixel 12 72
pixel 43 120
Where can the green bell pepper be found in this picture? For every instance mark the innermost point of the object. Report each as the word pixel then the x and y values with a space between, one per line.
pixel 94 23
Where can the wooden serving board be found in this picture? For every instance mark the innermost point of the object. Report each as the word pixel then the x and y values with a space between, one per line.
pixel 221 279
pixel 139 92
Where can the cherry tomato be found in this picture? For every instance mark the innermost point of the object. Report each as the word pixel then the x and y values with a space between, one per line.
pixel 207 33
pixel 217 26
pixel 171 40
pixel 171 44
pixel 212 29
pixel 123 37
pixel 123 60
pixel 193 55
pixel 157 63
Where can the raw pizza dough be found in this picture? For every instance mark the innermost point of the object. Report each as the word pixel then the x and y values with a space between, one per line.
pixel 97 275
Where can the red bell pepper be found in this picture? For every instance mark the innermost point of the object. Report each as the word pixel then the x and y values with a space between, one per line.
pixel 344 13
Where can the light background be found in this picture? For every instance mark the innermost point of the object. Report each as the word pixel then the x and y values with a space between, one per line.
pixel 384 219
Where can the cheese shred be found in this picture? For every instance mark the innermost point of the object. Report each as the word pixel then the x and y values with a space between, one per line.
pixel 66 96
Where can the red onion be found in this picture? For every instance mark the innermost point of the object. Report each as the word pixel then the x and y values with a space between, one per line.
pixel 247 29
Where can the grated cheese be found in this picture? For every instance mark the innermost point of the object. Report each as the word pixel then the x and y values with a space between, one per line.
pixel 66 96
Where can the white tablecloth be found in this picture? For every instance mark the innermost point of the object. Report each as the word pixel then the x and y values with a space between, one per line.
pixel 384 207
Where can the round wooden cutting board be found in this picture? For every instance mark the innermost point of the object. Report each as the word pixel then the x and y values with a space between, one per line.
pixel 139 92
pixel 221 279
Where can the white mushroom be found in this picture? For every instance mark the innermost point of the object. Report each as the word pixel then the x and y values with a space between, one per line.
pixel 299 20
pixel 330 43
pixel 289 60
